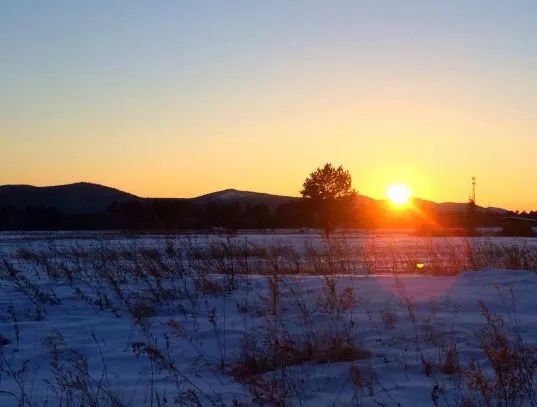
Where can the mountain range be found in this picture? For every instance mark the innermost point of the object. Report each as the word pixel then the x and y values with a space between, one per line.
pixel 88 198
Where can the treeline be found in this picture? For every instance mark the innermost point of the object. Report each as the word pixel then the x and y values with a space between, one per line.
pixel 163 214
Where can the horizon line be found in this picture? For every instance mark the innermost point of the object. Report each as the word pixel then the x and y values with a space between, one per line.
pixel 238 190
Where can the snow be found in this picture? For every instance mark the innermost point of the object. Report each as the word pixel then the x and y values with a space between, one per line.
pixel 399 320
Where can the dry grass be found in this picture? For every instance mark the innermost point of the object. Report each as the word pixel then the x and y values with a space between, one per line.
pixel 510 379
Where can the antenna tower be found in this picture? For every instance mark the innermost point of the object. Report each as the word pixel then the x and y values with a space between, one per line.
pixel 473 190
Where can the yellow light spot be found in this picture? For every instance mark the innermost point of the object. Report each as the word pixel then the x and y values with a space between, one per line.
pixel 398 194
pixel 420 266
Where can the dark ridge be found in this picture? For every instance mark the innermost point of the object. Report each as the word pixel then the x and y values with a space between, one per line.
pixel 70 199
pixel 87 206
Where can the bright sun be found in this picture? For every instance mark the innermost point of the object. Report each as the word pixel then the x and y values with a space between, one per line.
pixel 398 194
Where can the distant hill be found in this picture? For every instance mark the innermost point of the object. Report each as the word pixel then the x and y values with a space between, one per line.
pixel 71 199
pixel 457 207
pixel 86 199
pixel 244 197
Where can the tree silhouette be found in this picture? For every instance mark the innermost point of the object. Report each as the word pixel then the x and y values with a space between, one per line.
pixel 471 212
pixel 330 190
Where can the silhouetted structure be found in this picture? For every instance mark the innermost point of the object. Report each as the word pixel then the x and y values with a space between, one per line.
pixel 517 226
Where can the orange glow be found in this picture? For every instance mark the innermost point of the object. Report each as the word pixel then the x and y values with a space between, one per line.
pixel 193 116
pixel 399 194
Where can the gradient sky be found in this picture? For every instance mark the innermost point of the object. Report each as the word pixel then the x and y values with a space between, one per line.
pixel 180 98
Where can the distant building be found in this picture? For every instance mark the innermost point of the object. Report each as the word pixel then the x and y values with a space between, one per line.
pixel 517 226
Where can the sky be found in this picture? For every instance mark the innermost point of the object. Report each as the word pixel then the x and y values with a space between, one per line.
pixel 181 98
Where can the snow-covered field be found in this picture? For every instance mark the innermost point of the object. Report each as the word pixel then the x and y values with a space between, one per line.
pixel 276 319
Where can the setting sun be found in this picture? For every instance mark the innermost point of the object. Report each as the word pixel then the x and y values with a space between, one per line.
pixel 398 194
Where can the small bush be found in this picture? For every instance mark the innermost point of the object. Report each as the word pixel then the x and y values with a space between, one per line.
pixel 512 361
